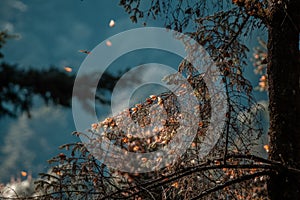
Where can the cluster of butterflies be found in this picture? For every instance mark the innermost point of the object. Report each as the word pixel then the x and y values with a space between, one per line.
pixel 108 43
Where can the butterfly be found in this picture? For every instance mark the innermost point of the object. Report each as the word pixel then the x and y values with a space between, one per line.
pixel 111 23
pixel 68 69
pixel 85 51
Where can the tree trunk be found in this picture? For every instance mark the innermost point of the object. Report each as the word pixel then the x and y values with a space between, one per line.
pixel 284 97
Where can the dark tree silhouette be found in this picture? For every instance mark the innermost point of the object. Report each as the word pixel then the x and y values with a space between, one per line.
pixel 19 86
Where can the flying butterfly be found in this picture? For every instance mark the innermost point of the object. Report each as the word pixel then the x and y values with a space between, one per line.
pixel 84 51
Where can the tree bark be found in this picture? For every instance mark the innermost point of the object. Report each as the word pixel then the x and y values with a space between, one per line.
pixel 284 97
